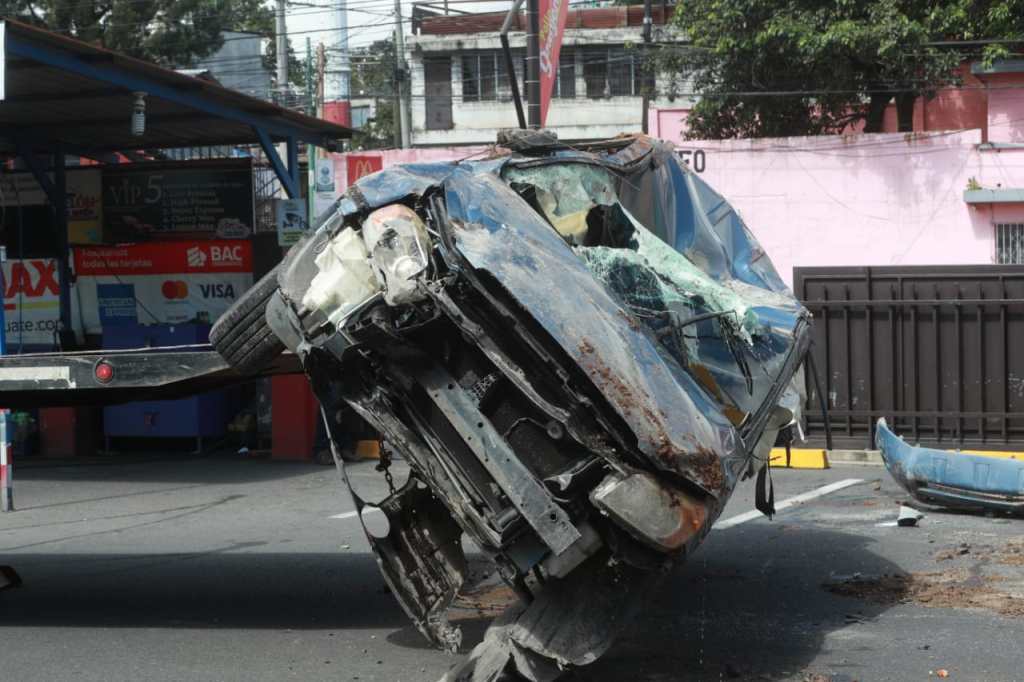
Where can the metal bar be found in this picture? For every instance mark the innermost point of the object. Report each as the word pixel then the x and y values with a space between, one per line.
pixel 60 211
pixel 510 63
pixel 849 361
pixel 288 181
pixel 895 359
pixel 982 384
pixel 828 352
pixel 938 365
pixel 922 413
pixel 821 398
pixel 533 63
pixel 917 361
pixel 1004 346
pixel 869 383
pixel 918 302
pixel 69 62
pixel 529 496
pixel 958 321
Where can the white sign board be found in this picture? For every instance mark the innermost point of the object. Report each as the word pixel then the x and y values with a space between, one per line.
pixel 291 220
pixel 31 302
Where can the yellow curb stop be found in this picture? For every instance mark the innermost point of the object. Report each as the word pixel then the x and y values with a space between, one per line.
pixel 798 458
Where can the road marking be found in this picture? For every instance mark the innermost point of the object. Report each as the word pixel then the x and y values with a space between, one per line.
pixel 721 525
pixel 353 514
pixel 787 503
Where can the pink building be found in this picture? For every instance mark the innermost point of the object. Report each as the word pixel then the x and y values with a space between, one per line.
pixel 952 193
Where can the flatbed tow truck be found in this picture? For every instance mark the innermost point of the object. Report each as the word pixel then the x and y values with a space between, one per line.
pixel 105 377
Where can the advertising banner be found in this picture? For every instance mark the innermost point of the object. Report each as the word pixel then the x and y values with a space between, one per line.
pixel 165 283
pixel 552 26
pixel 290 215
pixel 84 196
pixel 362 164
pixel 173 201
pixel 31 301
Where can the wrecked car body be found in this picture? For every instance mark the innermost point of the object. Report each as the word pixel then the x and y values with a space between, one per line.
pixel 580 353
pixel 956 480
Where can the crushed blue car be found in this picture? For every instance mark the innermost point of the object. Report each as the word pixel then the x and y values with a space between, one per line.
pixel 952 479
pixel 580 352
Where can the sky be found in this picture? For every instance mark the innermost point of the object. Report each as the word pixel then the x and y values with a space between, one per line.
pixel 368 20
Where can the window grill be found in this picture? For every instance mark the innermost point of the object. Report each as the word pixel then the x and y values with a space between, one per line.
pixel 1010 243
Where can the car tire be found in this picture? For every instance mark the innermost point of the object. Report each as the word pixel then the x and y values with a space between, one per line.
pixel 242 336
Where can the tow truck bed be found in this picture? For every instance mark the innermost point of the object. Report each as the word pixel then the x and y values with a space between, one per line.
pixel 106 377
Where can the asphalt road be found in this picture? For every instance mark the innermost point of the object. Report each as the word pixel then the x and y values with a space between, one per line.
pixel 213 569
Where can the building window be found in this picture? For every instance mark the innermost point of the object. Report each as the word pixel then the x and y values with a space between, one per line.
pixel 565 83
pixel 1010 243
pixel 484 77
pixel 612 72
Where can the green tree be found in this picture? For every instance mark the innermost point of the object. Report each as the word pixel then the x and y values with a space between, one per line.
pixel 798 67
pixel 373 76
pixel 169 32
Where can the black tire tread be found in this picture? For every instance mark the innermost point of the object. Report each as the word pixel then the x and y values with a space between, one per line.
pixel 241 335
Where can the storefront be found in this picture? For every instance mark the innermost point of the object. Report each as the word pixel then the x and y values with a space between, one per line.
pixel 109 244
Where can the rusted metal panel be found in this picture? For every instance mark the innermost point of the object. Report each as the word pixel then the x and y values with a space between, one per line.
pixel 929 348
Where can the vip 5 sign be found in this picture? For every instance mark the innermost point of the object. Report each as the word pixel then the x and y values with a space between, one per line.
pixel 31 301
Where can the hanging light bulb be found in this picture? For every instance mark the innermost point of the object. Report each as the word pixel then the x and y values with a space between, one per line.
pixel 139 114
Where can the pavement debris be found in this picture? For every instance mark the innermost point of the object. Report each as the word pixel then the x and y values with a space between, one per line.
pixel 908 516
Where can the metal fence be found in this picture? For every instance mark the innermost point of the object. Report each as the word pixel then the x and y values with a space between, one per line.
pixel 936 350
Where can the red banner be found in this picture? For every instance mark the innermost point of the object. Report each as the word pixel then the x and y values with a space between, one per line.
pixel 362 164
pixel 159 258
pixel 552 27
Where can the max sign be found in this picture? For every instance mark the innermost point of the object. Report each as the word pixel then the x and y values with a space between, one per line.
pixel 31 301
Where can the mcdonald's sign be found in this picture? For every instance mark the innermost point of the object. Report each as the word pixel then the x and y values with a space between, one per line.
pixel 363 164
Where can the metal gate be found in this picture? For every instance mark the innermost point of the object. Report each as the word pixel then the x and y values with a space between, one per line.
pixel 936 350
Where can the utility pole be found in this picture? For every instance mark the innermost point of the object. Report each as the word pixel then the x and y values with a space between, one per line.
pixel 402 118
pixel 645 81
pixel 282 49
pixel 337 83
pixel 533 63
pixel 310 149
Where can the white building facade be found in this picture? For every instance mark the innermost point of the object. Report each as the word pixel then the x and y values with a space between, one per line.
pixel 461 95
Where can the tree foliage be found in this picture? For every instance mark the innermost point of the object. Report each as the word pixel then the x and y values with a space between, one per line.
pixel 794 67
pixel 373 76
pixel 169 32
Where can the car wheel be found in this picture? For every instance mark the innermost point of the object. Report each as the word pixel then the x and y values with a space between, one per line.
pixel 242 336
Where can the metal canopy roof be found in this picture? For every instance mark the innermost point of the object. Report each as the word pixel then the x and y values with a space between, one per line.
pixel 61 90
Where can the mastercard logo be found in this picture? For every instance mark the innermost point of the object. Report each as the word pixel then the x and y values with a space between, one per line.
pixel 174 289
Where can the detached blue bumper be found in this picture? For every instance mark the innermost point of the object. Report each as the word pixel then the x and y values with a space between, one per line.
pixel 952 479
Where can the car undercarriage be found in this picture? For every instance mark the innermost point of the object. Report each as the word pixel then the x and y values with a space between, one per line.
pixel 579 353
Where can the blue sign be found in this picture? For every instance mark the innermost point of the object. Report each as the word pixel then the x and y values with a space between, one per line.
pixel 116 303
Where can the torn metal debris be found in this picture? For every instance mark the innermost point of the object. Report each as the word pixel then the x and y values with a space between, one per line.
pixel 580 353
pixel 952 479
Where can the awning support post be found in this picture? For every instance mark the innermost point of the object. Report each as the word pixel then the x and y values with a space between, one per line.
pixel 288 175
pixel 56 193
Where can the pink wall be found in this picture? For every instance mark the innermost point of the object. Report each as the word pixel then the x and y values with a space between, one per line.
pixel 1006 108
pixel 390 157
pixel 882 199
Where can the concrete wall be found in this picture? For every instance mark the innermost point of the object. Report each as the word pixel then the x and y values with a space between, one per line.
pixel 1006 108
pixel 882 199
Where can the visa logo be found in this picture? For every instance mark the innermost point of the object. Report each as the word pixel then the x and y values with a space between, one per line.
pixel 217 290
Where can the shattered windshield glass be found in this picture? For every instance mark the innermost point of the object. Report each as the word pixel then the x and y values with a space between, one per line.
pixel 701 303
